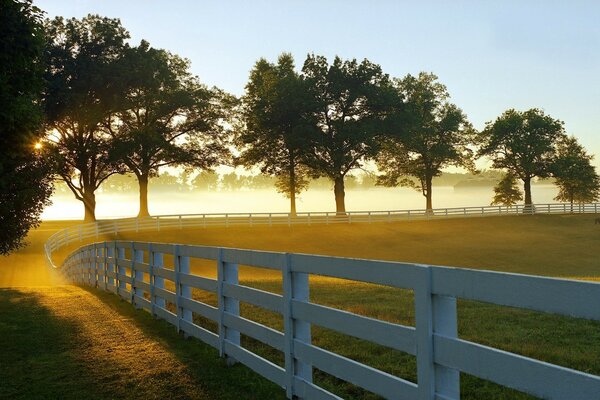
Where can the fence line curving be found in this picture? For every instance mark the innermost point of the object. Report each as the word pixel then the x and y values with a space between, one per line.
pixel 93 230
pixel 157 277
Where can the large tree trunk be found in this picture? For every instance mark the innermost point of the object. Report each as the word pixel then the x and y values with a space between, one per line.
pixel 143 183
pixel 428 194
pixel 292 192
pixel 338 190
pixel 89 204
pixel 527 189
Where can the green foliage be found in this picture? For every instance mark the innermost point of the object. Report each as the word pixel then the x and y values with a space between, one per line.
pixel 25 186
pixel 83 58
pixel 576 177
pixel 277 119
pixel 523 143
pixel 165 116
pixel 428 134
pixel 506 192
pixel 351 100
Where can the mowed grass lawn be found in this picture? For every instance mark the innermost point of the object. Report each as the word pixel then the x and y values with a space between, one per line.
pixel 564 246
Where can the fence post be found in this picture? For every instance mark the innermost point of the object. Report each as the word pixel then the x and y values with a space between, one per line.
pixel 182 265
pixel 122 272
pixel 110 252
pixel 95 258
pixel 434 314
pixel 295 287
pixel 227 273
pixel 157 281
pixel 138 275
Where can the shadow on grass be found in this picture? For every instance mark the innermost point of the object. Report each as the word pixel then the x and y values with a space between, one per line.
pixel 44 356
pixel 38 352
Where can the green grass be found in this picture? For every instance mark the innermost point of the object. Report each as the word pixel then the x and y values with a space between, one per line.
pixel 542 245
pixel 564 246
pixel 47 356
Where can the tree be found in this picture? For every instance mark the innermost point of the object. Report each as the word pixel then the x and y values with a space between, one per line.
pixel 206 180
pixel 575 175
pixel 507 192
pixel 276 119
pixel 350 101
pixel 165 117
pixel 82 92
pixel 428 135
pixel 523 143
pixel 25 184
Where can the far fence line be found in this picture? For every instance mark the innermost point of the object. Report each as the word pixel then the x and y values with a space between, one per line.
pixel 94 230
pixel 157 277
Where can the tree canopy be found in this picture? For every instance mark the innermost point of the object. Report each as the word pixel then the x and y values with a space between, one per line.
pixel 576 177
pixel 277 117
pixel 506 192
pixel 427 135
pixel 82 93
pixel 25 183
pixel 351 100
pixel 164 117
pixel 523 143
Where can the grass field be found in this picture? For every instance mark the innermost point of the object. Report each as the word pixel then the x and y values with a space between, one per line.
pixel 565 246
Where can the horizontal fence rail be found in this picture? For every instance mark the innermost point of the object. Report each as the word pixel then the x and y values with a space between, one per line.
pixel 180 221
pixel 138 272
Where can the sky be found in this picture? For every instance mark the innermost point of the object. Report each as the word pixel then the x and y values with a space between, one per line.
pixel 491 55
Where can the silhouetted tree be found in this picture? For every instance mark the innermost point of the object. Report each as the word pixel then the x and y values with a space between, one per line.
pixel 82 92
pixel 429 134
pixel 165 117
pixel 506 192
pixel 575 175
pixel 206 180
pixel 351 100
pixel 276 117
pixel 25 184
pixel 523 143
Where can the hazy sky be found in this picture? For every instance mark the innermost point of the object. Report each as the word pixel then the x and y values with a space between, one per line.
pixel 491 55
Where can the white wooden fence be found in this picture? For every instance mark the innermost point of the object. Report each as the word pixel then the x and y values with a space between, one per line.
pixel 94 230
pixel 137 272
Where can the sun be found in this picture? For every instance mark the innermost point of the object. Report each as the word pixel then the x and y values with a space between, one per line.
pixel 38 146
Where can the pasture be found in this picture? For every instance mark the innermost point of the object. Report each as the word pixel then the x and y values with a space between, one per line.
pixel 564 246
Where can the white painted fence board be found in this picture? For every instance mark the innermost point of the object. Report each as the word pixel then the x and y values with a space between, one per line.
pixel 573 298
pixel 209 253
pixel 198 282
pixel 532 376
pixel 257 297
pixel 311 391
pixel 400 275
pixel 199 332
pixel 262 366
pixel 395 336
pixel 142 302
pixel 141 266
pixel 142 285
pixel 255 330
pixel 165 294
pixel 168 274
pixel 369 378
pixel 165 314
pixel 261 259
pixel 197 307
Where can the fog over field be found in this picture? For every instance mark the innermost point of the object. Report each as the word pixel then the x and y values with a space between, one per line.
pixel 115 205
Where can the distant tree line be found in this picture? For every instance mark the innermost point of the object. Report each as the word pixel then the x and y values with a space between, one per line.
pixel 107 107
